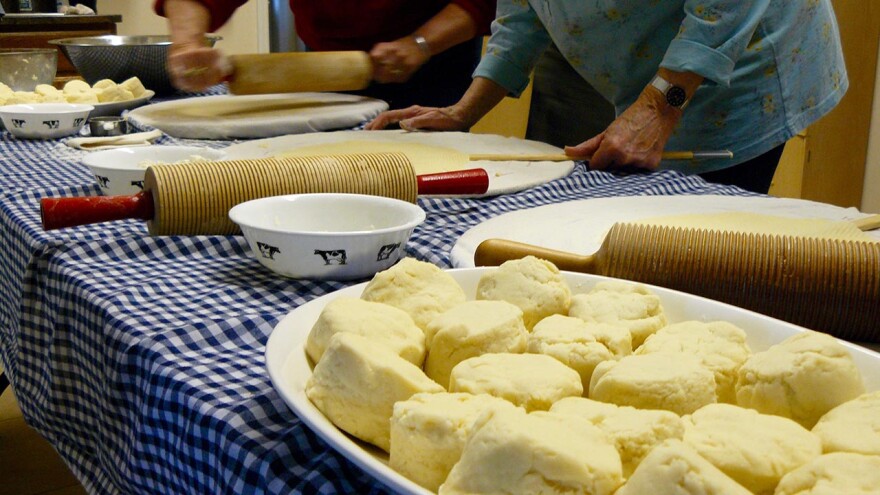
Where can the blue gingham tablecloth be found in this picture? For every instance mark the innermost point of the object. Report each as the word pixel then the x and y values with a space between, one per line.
pixel 141 358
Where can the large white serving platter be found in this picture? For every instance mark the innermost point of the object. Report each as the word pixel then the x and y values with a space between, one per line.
pixel 257 116
pixel 289 368
pixel 581 226
pixel 117 107
pixel 504 176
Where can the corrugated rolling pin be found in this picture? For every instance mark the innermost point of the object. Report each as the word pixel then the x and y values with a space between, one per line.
pixel 195 198
pixel 299 71
pixel 827 285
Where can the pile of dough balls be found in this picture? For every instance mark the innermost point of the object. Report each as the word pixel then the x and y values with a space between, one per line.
pixel 76 91
pixel 532 388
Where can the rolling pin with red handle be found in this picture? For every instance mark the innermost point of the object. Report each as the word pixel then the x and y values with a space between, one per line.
pixel 195 198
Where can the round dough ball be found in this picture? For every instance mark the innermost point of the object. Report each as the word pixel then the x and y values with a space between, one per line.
pixel 23 97
pixel 134 85
pixel 721 346
pixel 834 474
pixel 102 84
pixel 429 432
pixel 620 303
pixel 378 322
pixel 113 93
pixel 754 449
pixel 532 284
pixel 46 90
pixel 674 382
pixel 532 381
pixel 541 452
pixel 634 432
pixel 784 379
pixel 471 329
pixel 77 86
pixel 88 97
pixel 417 287
pixel 853 426
pixel 574 343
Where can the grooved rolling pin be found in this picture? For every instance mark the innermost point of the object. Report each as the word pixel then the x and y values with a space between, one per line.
pixel 299 71
pixel 823 284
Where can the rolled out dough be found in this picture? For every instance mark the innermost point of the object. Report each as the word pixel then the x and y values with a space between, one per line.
pixel 426 159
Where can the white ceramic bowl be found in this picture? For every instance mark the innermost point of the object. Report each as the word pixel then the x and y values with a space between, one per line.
pixel 44 120
pixel 327 236
pixel 120 171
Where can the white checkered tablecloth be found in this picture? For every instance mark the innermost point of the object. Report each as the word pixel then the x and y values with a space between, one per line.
pixel 141 358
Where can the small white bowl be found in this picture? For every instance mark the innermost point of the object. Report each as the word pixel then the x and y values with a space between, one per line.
pixel 44 120
pixel 327 236
pixel 120 171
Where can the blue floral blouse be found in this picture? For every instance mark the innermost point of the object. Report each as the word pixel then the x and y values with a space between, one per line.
pixel 771 67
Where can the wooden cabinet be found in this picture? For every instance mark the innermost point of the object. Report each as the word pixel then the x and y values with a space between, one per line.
pixel 827 161
pixel 35 31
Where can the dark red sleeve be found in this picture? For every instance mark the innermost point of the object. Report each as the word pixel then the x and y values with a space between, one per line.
pixel 481 11
pixel 221 10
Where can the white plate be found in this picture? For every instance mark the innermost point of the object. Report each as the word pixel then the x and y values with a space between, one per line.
pixel 580 226
pixel 504 176
pixel 257 116
pixel 289 368
pixel 117 107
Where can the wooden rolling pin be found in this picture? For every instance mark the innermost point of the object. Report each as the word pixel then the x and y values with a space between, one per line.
pixel 299 71
pixel 823 284
pixel 559 157
pixel 195 198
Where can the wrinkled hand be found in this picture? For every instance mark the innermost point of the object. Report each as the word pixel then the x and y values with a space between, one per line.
pixel 396 61
pixel 635 139
pixel 416 118
pixel 195 67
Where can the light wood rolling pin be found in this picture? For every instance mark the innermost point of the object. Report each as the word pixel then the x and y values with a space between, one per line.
pixel 299 71
pixel 827 285
pixel 559 157
pixel 195 198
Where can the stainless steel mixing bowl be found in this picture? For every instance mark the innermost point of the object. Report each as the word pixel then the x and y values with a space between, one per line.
pixel 120 57
pixel 22 69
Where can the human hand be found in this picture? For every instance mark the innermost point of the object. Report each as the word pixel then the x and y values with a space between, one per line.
pixel 194 66
pixel 396 61
pixel 635 139
pixel 416 118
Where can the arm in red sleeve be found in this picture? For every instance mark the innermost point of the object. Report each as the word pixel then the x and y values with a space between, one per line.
pixel 481 11
pixel 221 10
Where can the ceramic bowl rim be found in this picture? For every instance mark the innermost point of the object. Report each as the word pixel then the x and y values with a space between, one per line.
pixel 44 108
pixel 90 159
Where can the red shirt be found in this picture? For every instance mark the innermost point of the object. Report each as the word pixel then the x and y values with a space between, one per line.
pixel 356 24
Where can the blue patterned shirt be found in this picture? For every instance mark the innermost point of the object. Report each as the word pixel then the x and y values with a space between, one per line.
pixel 771 67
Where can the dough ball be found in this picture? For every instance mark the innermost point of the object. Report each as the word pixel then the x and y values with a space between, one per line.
pixel 634 432
pixel 532 284
pixel 5 90
pixel 532 381
pixel 77 86
pixel 720 345
pixel 620 303
pixel 378 322
pixel 134 85
pixel 88 97
pixel 417 287
pixel 541 452
pixel 576 343
pixel 853 426
pixel 429 431
pixel 674 468
pixel 19 97
pixel 840 473
pixel 674 382
pixel 471 329
pixel 103 84
pixel 754 449
pixel 113 93
pixel 787 378
pixel 46 90
pixel 357 382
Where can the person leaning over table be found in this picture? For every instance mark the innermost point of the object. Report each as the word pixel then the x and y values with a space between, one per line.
pixel 683 75
pixel 423 51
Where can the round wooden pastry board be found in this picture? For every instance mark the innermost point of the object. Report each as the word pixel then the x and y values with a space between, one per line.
pixel 257 116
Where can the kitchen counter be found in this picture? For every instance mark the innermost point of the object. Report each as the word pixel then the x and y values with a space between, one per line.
pixel 13 22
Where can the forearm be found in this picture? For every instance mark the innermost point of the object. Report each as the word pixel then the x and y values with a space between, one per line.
pixel 451 26
pixel 481 97
pixel 188 21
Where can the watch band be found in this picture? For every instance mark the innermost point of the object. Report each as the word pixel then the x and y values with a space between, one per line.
pixel 423 45
pixel 675 95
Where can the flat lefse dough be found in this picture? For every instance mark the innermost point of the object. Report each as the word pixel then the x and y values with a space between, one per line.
pixel 756 223
pixel 426 159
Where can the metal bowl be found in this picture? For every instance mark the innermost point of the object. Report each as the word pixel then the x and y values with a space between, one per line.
pixel 120 57
pixel 22 69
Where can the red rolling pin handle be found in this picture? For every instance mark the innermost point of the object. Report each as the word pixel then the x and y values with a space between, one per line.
pixel 57 213
pixel 470 181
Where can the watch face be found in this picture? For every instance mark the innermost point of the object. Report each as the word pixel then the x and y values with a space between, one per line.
pixel 676 96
